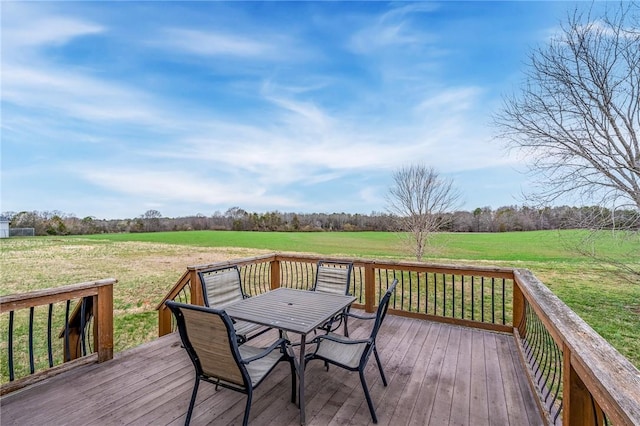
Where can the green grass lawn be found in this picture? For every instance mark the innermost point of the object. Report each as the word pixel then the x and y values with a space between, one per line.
pixel 148 264
pixel 542 246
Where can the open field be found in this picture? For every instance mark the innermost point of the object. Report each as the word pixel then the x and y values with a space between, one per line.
pixel 147 265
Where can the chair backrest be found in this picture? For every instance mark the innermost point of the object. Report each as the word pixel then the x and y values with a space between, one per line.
pixel 333 277
pixel 383 306
pixel 209 338
pixel 221 286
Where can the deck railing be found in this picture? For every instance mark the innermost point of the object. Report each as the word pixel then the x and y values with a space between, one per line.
pixel 32 322
pixel 480 297
pixel 579 378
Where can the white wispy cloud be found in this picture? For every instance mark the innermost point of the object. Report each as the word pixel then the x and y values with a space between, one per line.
pixel 75 94
pixel 180 186
pixel 31 26
pixel 392 29
pixel 212 43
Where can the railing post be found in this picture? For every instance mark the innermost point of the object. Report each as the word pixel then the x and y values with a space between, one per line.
pixel 519 308
pixel 164 321
pixel 197 298
pixel 104 322
pixel 369 287
pixel 578 406
pixel 275 273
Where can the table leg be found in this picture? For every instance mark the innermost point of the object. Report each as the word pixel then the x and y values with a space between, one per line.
pixel 301 367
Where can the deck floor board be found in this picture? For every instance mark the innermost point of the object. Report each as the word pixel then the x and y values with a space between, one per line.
pixel 437 374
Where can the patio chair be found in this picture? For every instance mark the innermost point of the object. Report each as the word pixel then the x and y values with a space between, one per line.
pixel 210 340
pixel 221 287
pixel 333 277
pixel 353 354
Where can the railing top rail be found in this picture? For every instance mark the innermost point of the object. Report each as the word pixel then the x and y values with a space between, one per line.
pixel 50 295
pixel 239 262
pixel 389 264
pixel 403 264
pixel 610 377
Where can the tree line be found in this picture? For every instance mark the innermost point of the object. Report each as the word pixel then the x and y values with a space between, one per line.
pixel 482 219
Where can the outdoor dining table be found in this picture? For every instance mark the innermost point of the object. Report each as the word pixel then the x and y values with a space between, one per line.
pixel 294 311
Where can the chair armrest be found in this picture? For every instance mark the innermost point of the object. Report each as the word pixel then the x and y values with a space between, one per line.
pixel 340 339
pixel 359 316
pixel 265 352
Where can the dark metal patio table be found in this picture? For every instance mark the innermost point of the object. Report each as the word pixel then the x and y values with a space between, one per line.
pixel 294 311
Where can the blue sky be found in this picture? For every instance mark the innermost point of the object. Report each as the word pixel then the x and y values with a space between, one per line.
pixel 113 109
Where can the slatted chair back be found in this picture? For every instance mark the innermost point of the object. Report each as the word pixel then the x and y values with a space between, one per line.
pixel 221 286
pixel 208 336
pixel 383 307
pixel 333 277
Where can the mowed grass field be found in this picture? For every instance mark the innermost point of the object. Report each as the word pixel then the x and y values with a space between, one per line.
pixel 148 264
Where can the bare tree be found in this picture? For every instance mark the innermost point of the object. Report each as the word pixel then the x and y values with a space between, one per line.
pixel 420 198
pixel 577 116
pixel 151 218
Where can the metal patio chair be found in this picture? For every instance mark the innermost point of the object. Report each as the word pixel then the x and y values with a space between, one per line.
pixel 209 338
pixel 334 277
pixel 221 287
pixel 353 354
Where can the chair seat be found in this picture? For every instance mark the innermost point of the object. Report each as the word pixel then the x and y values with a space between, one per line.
pixel 259 368
pixel 348 355
pixel 244 328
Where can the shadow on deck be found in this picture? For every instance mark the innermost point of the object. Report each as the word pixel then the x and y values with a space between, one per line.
pixel 438 374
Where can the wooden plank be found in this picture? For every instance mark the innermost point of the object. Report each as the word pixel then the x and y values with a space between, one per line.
pixel 410 373
pixel 519 376
pixel 459 415
pixel 441 408
pixel 495 391
pixel 427 392
pixel 514 402
pixel 478 406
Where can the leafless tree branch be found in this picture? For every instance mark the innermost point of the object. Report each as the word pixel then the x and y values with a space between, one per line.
pixel 420 199
pixel 577 116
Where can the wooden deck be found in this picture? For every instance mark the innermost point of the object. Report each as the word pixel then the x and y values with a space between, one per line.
pixel 438 374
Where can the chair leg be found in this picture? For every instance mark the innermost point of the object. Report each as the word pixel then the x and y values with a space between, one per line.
pixel 245 421
pixel 346 329
pixel 293 381
pixel 375 353
pixel 193 401
pixel 367 396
